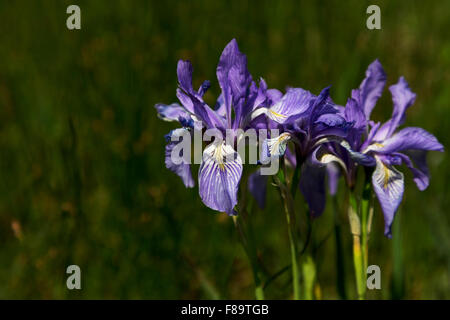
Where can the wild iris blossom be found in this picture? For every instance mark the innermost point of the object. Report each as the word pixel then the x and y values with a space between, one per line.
pixel 383 146
pixel 308 121
pixel 221 167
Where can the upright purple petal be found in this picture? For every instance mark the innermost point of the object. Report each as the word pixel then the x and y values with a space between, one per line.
pixel 410 138
pixel 372 87
pixel 219 176
pixel 184 73
pixel 257 185
pixel 232 75
pixel 388 185
pixel 402 97
pixel 353 113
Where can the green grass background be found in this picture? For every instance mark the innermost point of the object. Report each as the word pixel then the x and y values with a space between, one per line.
pixel 82 175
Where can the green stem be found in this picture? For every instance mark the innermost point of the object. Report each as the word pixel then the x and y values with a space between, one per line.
pixel 358 260
pixel 340 262
pixel 251 255
pixel 280 180
pixel 293 248
pixel 366 212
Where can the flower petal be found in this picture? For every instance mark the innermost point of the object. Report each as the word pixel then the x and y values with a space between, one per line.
pixel 372 87
pixel 181 167
pixel 388 185
pixel 420 171
pixel 219 176
pixel 171 112
pixel 312 186
pixel 402 97
pixel 295 103
pixel 257 185
pixel 233 76
pixel 410 138
pixel 274 147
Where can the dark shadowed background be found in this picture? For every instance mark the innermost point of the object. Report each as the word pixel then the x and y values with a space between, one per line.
pixel 82 175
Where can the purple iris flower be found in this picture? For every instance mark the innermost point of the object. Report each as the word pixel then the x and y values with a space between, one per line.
pixel 221 166
pixel 383 146
pixel 309 121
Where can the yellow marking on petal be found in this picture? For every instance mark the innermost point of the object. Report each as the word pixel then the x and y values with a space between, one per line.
pixel 277 114
pixel 219 158
pixel 379 145
pixel 386 176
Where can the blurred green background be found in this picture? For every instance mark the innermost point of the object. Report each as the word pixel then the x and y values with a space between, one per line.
pixel 82 175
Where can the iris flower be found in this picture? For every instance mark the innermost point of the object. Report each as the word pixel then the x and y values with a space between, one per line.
pixel 221 166
pixel 383 145
pixel 308 121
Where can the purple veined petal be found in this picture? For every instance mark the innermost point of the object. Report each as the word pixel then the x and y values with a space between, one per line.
pixel 410 138
pixel 232 75
pixel 219 176
pixel 402 97
pixel 274 95
pixel 181 168
pixel 312 186
pixel 220 106
pixel 295 103
pixel 185 100
pixel 372 87
pixel 420 172
pixel 388 185
pixel 184 73
pixel 257 185
pixel 333 174
pixel 171 112
pixel 274 147
pixel 353 113
pixel 321 105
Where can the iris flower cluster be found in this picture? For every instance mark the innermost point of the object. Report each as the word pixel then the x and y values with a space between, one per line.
pixel 317 136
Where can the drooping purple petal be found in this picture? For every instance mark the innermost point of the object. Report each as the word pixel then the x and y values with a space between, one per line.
pixel 410 138
pixel 219 176
pixel 257 185
pixel 372 87
pixel 175 160
pixel 312 186
pixel 171 112
pixel 420 170
pixel 388 185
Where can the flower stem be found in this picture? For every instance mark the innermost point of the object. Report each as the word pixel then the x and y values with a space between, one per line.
pixel 289 210
pixel 251 255
pixel 366 220
pixel 340 263
pixel 358 260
